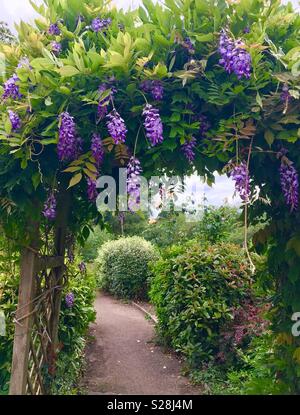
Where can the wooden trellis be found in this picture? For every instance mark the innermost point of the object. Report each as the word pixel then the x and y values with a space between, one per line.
pixel 37 316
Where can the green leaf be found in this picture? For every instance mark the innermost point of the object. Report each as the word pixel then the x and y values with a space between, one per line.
pixel 259 100
pixel 72 169
pixel 36 180
pixel 208 37
pixel 269 137
pixel 75 180
pixel 68 71
pixel 91 167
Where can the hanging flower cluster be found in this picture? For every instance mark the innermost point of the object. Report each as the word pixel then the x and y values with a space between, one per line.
pixel 82 267
pixel 234 58
pixel 289 184
pixel 15 120
pixel 99 25
pixel 188 149
pixel 11 89
pixel 204 125
pixel 116 127
pixel 92 189
pixel 188 45
pixel 153 125
pixel 134 171
pixel 56 47
pixel 70 300
pixel 240 176
pixel 54 30
pixel 97 149
pixel 49 211
pixel 285 94
pixel 24 63
pixel 154 87
pixel 68 143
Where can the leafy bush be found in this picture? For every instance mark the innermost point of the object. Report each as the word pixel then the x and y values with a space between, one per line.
pixel 72 332
pixel 194 290
pixel 255 377
pixel 73 326
pixel 8 305
pixel 218 223
pixel 123 267
pixel 90 249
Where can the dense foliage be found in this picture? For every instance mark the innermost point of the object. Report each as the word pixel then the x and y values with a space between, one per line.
pixel 195 290
pixel 77 313
pixel 123 267
pixel 228 73
pixel 74 321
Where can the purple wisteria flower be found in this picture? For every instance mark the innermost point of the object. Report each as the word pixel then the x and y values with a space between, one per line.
pixel 157 90
pixel 204 125
pixel 56 47
pixel 100 25
pixel 289 184
pixel 285 94
pixel 188 149
pixel 54 30
pixel 97 149
pixel 154 87
pixel 82 267
pixel 15 120
pixel 92 189
pixel 24 63
pixel 70 254
pixel 188 45
pixel 146 85
pixel 247 30
pixel 70 299
pixel 240 175
pixel 234 58
pixel 116 127
pixel 11 89
pixel 49 211
pixel 68 145
pixel 134 171
pixel 153 125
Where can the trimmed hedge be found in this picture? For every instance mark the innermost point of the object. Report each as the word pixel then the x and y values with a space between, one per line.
pixel 123 267
pixel 195 289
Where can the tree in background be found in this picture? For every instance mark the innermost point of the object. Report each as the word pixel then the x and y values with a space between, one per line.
pixel 6 35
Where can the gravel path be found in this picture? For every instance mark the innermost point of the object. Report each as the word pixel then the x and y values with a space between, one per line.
pixel 123 359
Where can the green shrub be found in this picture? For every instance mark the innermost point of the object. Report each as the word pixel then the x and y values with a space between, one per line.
pixel 123 267
pixel 73 326
pixel 194 290
pixel 96 239
pixel 72 332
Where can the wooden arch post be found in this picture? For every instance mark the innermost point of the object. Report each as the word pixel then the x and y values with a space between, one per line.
pixel 37 316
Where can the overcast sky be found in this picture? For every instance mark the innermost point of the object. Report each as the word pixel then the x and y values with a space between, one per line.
pixel 14 10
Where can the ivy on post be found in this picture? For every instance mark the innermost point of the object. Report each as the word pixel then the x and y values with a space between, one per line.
pixel 61 227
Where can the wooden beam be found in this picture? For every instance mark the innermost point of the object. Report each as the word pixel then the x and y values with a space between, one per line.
pixel 23 325
pixel 49 263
